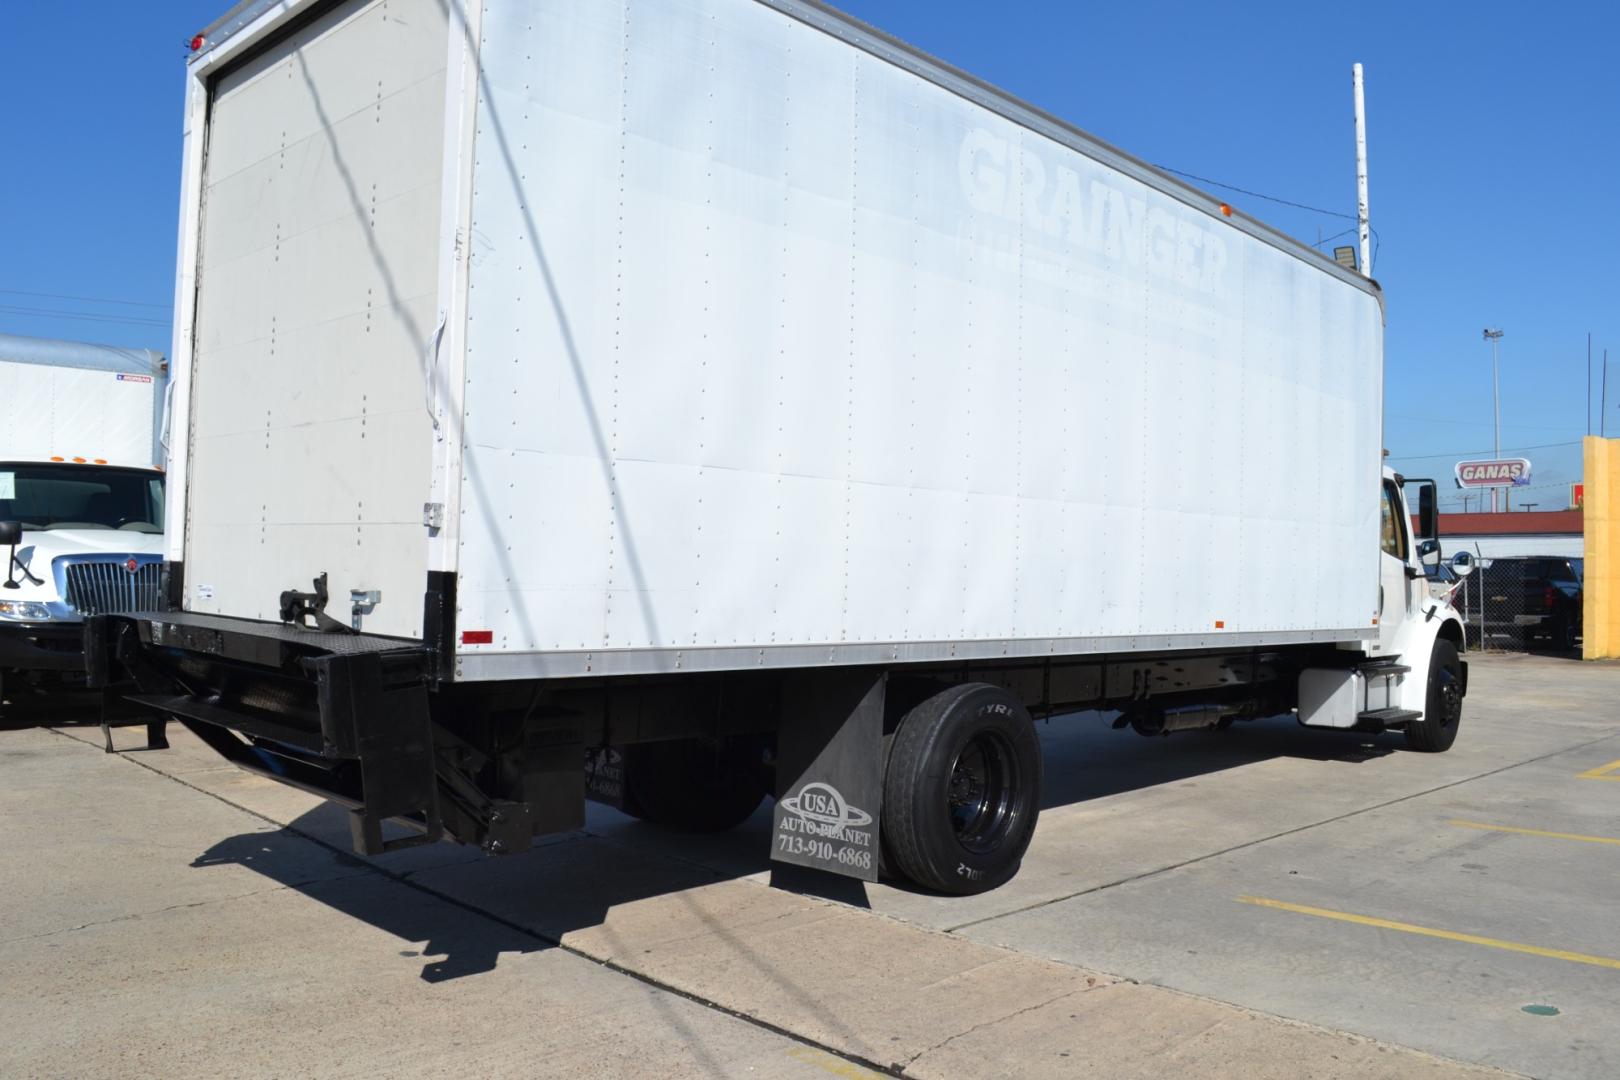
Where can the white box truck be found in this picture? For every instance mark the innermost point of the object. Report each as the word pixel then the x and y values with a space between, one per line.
pixel 81 498
pixel 680 402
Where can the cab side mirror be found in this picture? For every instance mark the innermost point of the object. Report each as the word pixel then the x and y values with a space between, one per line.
pixel 1428 552
pixel 1462 564
pixel 10 534
pixel 1428 513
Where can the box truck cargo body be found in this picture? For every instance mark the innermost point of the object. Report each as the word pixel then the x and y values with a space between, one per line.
pixel 754 341
pixel 640 373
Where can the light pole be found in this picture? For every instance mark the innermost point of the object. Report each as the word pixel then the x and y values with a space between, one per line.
pixel 1493 336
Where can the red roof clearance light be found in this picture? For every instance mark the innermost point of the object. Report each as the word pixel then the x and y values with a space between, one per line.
pixel 197 43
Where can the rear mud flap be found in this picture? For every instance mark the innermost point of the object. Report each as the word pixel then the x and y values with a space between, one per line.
pixel 830 772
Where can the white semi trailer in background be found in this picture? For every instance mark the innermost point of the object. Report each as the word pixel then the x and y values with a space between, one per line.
pixel 678 402
pixel 81 498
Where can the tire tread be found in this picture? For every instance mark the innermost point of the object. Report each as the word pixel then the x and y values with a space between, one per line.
pixel 915 760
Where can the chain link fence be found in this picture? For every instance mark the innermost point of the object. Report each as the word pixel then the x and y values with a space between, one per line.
pixel 1521 604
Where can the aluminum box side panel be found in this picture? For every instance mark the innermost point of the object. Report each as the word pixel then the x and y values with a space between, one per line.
pixel 318 274
pixel 777 346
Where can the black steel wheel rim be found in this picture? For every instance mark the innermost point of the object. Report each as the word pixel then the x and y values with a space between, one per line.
pixel 982 797
pixel 1450 697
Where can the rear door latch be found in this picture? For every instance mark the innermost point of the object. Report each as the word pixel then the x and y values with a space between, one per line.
pixel 361 603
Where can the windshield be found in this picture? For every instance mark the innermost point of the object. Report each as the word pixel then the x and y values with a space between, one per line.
pixel 1579 566
pixel 64 496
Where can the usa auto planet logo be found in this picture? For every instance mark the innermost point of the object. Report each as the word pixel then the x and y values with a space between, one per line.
pixel 823 811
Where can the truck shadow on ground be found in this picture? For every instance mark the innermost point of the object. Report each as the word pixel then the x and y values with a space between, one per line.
pixel 1086 759
pixel 461 910
pixel 454 941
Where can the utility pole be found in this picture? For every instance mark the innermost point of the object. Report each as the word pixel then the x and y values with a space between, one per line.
pixel 1493 336
pixel 1362 228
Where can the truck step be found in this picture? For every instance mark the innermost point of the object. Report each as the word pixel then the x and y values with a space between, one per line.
pixel 1379 668
pixel 1383 719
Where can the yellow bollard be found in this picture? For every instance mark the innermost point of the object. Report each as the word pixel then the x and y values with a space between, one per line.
pixel 1600 614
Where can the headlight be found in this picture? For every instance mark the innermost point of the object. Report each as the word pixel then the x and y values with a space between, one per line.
pixel 24 611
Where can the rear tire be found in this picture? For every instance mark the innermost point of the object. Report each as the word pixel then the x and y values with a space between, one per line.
pixel 961 790
pixel 1563 635
pixel 698 785
pixel 1442 712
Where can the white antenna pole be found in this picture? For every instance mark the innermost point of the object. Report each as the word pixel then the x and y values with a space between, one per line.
pixel 1361 172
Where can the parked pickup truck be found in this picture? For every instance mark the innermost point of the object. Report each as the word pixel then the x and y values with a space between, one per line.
pixel 1529 597
pixel 682 405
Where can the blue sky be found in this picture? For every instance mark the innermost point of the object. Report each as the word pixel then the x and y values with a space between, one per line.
pixel 1494 134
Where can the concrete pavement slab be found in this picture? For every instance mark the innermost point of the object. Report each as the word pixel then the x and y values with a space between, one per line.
pixel 358 977
pixel 155 930
pixel 1192 929
pixel 917 1001
pixel 191 762
pixel 867 986
pixel 90 840
pixel 1126 1031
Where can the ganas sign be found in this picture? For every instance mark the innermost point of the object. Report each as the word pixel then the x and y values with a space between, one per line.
pixel 1507 472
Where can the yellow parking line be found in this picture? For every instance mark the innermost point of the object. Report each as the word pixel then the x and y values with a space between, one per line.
pixel 1537 832
pixel 1611 771
pixel 835 1066
pixel 1429 931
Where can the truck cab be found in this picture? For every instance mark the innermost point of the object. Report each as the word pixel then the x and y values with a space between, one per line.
pixel 1412 676
pixel 81 497
pixel 79 538
pixel 1408 558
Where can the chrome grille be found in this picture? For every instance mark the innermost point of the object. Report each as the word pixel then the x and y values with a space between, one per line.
pixel 97 588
